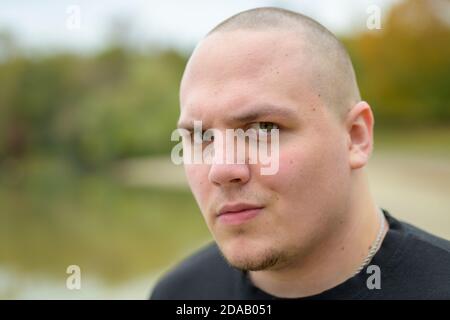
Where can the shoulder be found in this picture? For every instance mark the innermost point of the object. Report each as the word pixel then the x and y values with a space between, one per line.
pixel 203 275
pixel 427 245
pixel 426 265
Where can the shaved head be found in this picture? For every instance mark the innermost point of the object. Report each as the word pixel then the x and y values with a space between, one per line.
pixel 272 67
pixel 332 77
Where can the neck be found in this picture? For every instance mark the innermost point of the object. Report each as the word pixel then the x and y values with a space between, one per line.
pixel 335 259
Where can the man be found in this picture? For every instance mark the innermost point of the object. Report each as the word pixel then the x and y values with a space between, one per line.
pixel 311 230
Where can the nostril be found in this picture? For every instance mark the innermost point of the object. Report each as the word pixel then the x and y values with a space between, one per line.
pixel 223 174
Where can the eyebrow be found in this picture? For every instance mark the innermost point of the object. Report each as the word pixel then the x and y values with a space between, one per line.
pixel 254 113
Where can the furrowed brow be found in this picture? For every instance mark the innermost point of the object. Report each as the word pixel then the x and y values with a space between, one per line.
pixel 252 114
pixel 259 112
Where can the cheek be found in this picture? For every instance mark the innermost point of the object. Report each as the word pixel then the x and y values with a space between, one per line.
pixel 293 174
pixel 197 177
pixel 307 174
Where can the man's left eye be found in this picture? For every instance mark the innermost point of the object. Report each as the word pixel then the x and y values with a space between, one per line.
pixel 264 126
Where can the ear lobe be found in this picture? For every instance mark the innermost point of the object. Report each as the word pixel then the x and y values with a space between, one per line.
pixel 359 125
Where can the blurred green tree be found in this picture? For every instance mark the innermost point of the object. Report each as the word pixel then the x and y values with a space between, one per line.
pixel 404 69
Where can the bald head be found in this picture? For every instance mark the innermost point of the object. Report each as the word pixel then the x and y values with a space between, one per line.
pixel 278 69
pixel 333 78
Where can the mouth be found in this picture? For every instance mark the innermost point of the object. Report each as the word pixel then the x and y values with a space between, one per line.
pixel 238 213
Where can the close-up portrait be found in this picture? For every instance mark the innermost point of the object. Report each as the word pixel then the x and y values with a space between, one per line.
pixel 234 150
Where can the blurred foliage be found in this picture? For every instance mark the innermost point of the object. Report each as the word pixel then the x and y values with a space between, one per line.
pixel 119 103
pixel 404 69
pixel 89 109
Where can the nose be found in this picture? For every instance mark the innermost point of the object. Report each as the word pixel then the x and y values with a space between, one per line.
pixel 221 171
pixel 229 174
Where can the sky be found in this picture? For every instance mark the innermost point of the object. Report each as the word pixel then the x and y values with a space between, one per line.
pixel 44 24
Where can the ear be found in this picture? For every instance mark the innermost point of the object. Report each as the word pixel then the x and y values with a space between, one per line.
pixel 359 125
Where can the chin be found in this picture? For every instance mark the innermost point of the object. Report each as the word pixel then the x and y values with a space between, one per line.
pixel 250 257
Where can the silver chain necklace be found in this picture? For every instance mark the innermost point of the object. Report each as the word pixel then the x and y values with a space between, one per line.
pixel 375 245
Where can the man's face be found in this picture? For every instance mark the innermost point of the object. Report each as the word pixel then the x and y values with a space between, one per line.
pixel 242 72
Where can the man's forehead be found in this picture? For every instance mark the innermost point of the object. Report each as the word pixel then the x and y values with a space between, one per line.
pixel 242 54
pixel 229 82
pixel 249 42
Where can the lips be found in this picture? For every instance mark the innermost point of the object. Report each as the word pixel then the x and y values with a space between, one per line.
pixel 238 213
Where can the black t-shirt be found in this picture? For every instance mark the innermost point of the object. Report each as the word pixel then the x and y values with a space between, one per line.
pixel 413 264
